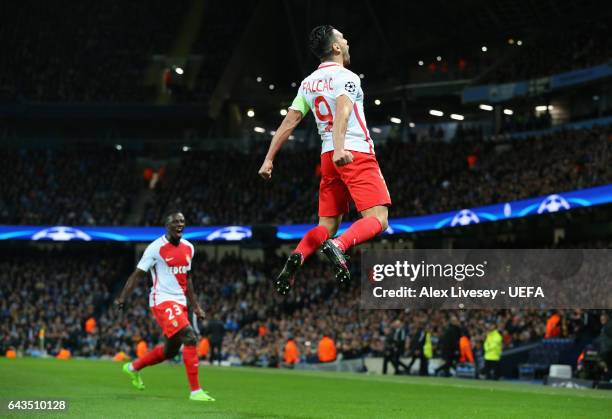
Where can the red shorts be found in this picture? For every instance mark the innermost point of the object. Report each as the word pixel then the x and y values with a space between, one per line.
pixel 171 317
pixel 361 180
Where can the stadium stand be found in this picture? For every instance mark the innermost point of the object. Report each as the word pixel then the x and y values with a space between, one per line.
pixel 61 292
pixel 44 305
pixel 554 52
pixel 112 65
pixel 66 187
pixel 97 188
pixel 85 63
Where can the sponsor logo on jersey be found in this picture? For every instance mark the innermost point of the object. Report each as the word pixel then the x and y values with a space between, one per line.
pixel 174 270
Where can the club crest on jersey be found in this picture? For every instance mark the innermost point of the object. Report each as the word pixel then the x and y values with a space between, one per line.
pixel 174 270
pixel 350 87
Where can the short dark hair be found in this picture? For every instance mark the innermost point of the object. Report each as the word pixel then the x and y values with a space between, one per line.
pixel 169 214
pixel 320 40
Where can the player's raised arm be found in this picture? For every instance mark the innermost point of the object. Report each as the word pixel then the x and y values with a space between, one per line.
pixel 292 119
pixel 192 298
pixel 344 108
pixel 137 276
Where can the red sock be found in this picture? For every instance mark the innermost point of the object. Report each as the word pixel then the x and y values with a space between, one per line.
pixel 154 357
pixel 190 358
pixel 360 231
pixel 313 239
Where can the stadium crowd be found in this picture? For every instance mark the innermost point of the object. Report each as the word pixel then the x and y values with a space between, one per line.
pixel 66 187
pixel 98 57
pixel 221 187
pixel 44 305
pixel 441 177
pixel 101 58
pixel 555 52
pixel 63 303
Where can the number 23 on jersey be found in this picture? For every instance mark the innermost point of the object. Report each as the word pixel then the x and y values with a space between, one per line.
pixel 177 311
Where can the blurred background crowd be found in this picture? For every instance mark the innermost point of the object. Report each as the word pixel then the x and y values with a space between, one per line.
pixel 220 187
pixel 64 303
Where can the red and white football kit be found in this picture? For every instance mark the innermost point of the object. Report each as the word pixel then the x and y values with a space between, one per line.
pixel 361 179
pixel 169 266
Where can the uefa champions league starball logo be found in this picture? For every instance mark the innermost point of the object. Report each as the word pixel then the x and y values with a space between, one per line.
pixel 465 217
pixel 553 203
pixel 61 234
pixel 231 233
pixel 350 87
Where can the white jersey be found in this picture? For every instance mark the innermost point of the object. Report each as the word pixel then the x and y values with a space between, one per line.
pixel 319 92
pixel 169 265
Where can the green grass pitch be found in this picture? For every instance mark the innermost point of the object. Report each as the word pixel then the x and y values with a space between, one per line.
pixel 100 389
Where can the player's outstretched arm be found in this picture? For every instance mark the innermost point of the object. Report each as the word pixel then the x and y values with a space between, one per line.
pixel 137 276
pixel 344 107
pixel 192 299
pixel 292 120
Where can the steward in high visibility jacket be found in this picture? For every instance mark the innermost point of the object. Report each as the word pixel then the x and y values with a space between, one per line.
pixel 493 346
pixel 553 326
pixel 428 347
pixel 291 354
pixel 465 350
pixel 326 349
pixel 141 349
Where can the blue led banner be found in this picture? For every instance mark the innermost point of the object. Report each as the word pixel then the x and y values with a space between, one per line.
pixel 121 234
pixel 516 209
pixel 562 201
